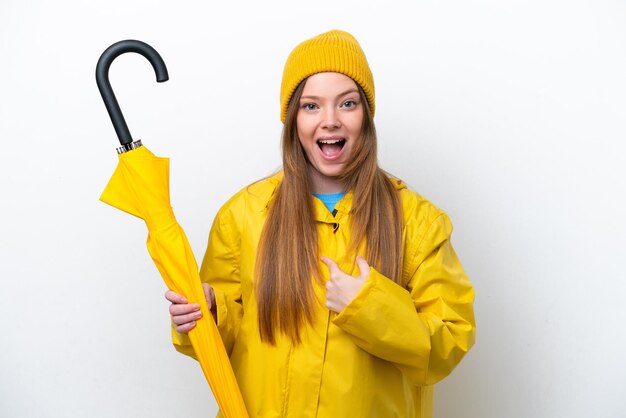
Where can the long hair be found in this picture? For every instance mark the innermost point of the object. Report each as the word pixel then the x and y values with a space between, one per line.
pixel 288 256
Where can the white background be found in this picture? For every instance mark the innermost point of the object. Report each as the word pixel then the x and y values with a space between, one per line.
pixel 509 115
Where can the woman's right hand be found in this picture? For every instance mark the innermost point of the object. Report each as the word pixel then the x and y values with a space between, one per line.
pixel 184 314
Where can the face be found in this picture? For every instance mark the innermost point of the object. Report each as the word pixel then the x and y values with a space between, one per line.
pixel 329 122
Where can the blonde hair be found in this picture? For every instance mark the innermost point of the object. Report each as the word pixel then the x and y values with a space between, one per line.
pixel 288 255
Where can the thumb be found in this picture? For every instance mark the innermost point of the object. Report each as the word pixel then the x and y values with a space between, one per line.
pixel 364 267
pixel 331 264
pixel 209 295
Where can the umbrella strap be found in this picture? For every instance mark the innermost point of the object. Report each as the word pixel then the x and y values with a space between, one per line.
pixel 159 221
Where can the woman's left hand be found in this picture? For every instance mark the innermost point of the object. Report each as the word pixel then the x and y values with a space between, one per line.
pixel 342 288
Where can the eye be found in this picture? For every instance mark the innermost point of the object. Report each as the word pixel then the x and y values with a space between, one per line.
pixel 309 106
pixel 349 104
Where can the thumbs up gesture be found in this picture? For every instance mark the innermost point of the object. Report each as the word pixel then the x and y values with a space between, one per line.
pixel 342 288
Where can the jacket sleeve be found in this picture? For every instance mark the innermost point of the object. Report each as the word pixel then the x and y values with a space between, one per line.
pixel 425 328
pixel 220 268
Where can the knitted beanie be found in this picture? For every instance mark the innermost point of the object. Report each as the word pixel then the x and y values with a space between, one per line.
pixel 333 51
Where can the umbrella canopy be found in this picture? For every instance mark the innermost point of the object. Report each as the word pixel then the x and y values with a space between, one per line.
pixel 140 186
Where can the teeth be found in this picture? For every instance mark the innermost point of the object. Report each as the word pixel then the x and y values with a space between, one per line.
pixel 329 141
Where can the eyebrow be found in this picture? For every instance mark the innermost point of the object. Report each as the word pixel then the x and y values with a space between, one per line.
pixel 339 95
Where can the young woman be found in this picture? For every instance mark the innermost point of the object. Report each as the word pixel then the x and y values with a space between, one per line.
pixel 335 289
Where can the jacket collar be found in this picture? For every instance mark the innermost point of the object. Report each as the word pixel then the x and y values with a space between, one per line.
pixel 264 191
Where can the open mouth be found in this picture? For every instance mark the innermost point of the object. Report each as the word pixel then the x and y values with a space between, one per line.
pixel 331 147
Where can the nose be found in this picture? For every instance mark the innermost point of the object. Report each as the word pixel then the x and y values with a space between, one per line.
pixel 331 118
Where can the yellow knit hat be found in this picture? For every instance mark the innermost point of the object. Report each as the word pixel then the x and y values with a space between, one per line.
pixel 333 51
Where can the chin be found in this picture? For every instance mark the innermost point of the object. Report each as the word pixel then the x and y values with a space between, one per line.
pixel 332 173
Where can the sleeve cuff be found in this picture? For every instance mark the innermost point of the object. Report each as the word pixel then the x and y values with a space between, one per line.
pixel 182 343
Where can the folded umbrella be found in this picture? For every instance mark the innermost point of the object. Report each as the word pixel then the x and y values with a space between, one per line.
pixel 140 186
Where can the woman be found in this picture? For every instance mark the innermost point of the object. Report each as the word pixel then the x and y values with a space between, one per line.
pixel 335 289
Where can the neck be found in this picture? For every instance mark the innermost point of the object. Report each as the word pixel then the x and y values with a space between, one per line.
pixel 321 184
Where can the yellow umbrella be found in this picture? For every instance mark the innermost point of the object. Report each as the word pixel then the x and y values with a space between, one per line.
pixel 140 186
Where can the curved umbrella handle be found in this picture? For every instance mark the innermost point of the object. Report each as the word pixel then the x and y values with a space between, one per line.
pixel 104 85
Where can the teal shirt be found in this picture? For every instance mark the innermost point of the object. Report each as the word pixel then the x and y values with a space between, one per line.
pixel 330 199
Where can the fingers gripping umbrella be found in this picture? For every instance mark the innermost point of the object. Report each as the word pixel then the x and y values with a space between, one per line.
pixel 140 186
